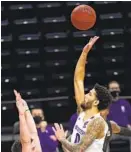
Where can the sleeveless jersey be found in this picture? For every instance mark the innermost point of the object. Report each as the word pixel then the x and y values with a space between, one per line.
pixel 79 131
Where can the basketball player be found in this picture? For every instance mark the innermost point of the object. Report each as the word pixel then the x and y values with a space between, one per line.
pixel 29 140
pixel 90 129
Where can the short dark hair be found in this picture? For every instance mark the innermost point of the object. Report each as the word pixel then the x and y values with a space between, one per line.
pixel 104 97
pixel 16 147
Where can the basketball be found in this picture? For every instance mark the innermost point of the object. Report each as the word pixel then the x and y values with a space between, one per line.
pixel 83 17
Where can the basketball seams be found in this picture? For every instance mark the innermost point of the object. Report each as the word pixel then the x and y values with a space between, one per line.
pixel 83 17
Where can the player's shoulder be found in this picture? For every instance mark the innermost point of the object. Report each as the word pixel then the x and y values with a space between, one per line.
pixel 79 110
pixel 96 126
pixel 98 122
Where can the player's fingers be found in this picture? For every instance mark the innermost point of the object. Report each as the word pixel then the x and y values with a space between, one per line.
pixel 95 39
pixel 18 97
pixel 15 92
pixel 90 39
pixel 61 126
pixel 66 132
pixel 57 126
pixel 54 129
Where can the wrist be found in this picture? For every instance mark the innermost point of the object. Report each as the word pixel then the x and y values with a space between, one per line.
pixel 85 52
pixel 62 139
pixel 21 114
pixel 27 110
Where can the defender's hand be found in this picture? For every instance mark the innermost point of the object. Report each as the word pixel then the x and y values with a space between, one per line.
pixel 19 103
pixel 20 100
pixel 59 131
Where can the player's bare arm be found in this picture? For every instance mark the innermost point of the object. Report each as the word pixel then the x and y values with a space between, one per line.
pixel 24 132
pixel 95 130
pixel 64 149
pixel 30 123
pixel 25 141
pixel 80 72
pixel 116 129
pixel 32 128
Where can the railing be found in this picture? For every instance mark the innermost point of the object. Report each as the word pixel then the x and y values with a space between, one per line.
pixel 52 99
pixel 39 99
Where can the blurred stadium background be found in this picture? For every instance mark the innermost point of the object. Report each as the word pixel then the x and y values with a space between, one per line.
pixel 39 51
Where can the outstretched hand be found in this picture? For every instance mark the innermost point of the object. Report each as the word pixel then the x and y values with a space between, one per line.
pixel 20 103
pixel 59 131
pixel 90 44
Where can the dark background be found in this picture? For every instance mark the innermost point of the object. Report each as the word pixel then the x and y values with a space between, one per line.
pixel 40 48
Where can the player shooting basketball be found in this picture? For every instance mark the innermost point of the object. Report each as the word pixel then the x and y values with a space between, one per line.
pixel 29 140
pixel 90 129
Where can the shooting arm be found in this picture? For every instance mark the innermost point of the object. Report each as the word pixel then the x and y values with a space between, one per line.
pixel 94 129
pixel 80 72
pixel 79 79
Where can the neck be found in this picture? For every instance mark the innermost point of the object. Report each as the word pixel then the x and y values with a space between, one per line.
pixel 91 112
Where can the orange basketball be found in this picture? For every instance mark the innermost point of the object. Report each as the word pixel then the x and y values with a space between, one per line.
pixel 83 17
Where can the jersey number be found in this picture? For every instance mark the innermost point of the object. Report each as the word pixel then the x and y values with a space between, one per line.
pixel 77 139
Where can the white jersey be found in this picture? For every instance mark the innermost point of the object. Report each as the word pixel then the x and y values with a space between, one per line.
pixel 80 130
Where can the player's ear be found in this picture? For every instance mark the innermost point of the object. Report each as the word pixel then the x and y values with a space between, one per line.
pixel 96 102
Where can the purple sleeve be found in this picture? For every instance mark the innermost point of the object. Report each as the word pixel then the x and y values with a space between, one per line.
pixel 72 121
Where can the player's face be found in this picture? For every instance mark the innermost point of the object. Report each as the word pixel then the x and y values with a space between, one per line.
pixel 90 98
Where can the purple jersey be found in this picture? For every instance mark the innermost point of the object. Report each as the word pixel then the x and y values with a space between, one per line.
pixel 120 112
pixel 47 144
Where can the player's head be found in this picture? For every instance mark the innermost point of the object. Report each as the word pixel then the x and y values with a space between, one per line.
pixel 37 114
pixel 99 97
pixel 114 88
pixel 16 147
